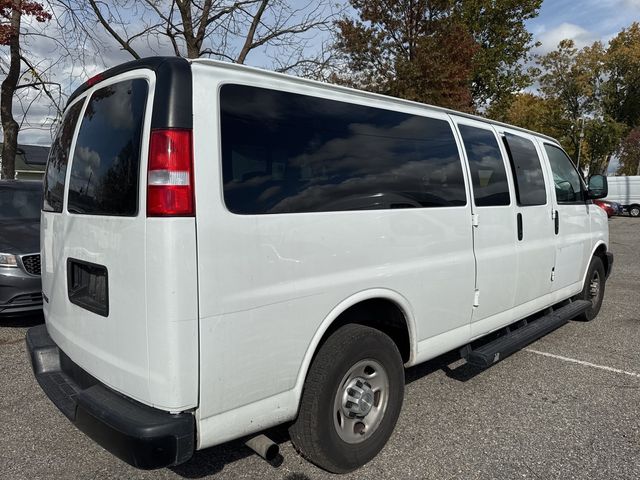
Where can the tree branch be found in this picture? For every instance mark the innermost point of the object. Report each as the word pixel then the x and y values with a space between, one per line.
pixel 125 44
pixel 248 42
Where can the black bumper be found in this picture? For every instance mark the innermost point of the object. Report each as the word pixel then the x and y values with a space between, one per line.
pixel 609 265
pixel 142 436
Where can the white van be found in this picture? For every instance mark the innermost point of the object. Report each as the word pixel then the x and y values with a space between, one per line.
pixel 226 249
pixel 625 190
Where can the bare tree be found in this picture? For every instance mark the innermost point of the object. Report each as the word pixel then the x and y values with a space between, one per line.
pixel 25 80
pixel 289 36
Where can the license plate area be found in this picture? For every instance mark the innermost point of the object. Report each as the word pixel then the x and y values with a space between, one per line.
pixel 88 286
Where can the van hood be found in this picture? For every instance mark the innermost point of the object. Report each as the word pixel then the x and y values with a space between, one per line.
pixel 20 236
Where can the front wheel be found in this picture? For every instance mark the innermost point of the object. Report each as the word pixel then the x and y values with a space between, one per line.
pixel 634 210
pixel 593 289
pixel 351 400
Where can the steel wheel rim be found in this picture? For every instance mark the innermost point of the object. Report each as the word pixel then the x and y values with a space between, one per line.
pixel 594 287
pixel 361 401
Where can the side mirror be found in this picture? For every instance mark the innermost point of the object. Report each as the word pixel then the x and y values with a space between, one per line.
pixel 598 187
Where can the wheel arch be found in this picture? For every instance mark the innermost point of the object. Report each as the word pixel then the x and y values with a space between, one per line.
pixel 599 250
pixel 388 301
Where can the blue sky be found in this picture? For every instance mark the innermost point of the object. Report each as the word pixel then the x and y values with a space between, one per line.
pixel 584 21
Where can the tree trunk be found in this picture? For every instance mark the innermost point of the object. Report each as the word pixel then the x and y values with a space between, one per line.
pixel 9 124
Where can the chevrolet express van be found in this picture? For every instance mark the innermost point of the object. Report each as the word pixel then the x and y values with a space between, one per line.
pixel 226 249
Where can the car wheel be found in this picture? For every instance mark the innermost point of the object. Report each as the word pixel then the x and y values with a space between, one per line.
pixel 593 289
pixel 351 399
pixel 634 210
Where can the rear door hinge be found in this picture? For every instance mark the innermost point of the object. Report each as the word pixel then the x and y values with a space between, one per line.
pixel 553 274
pixel 476 298
pixel 474 219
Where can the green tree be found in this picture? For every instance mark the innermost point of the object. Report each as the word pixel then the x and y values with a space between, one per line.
pixel 499 28
pixel 573 82
pixel 623 84
pixel 456 53
pixel 630 154
pixel 528 110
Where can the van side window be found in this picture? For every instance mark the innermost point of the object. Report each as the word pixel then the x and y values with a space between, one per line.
pixel 490 187
pixel 288 153
pixel 527 171
pixel 106 159
pixel 565 176
pixel 54 179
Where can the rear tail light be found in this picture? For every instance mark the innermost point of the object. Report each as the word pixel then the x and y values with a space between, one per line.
pixel 95 79
pixel 170 174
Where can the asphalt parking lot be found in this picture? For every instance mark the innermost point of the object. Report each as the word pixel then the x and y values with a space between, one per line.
pixel 567 407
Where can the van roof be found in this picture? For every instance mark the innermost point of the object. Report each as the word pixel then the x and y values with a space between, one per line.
pixel 172 66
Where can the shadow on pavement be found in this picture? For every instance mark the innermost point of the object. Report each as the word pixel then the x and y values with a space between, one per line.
pixel 22 321
pixel 213 460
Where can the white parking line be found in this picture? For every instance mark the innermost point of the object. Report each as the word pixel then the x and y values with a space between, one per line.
pixel 582 362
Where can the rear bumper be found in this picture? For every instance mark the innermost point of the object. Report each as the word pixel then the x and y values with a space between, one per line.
pixel 142 436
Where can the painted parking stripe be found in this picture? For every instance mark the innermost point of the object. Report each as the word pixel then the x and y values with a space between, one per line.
pixel 582 362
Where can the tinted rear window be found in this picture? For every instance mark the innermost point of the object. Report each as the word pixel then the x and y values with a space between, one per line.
pixel 106 159
pixel 58 158
pixel 286 153
pixel 525 163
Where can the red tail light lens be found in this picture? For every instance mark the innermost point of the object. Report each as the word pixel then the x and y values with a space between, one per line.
pixel 170 174
pixel 95 79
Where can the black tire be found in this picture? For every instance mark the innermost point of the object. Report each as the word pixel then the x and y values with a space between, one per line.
pixel 595 273
pixel 315 433
pixel 634 210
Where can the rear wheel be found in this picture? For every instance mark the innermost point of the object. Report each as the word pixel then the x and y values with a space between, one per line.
pixel 351 400
pixel 634 210
pixel 593 289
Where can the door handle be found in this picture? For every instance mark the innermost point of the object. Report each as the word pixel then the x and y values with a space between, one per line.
pixel 557 223
pixel 519 226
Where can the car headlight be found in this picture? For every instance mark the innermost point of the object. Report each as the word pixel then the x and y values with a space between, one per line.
pixel 8 260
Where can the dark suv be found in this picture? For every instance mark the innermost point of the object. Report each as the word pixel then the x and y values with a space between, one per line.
pixel 20 288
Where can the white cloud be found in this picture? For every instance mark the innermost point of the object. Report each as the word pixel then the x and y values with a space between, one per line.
pixel 549 39
pixel 631 4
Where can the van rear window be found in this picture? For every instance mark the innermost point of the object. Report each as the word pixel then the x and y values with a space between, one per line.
pixel 55 176
pixel 289 153
pixel 106 159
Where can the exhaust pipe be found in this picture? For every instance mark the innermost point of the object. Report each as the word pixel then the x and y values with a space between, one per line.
pixel 264 447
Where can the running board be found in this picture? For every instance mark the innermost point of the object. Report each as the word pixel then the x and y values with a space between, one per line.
pixel 502 347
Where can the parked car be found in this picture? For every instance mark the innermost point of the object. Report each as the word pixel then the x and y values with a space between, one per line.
pixel 607 207
pixel 625 190
pixel 227 249
pixel 20 290
pixel 617 208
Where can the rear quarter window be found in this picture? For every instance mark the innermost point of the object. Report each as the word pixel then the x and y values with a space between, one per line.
pixel 54 179
pixel 106 160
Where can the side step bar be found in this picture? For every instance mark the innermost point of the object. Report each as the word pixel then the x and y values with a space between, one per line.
pixel 493 352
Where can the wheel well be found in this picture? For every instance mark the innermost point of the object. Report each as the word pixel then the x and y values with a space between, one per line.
pixel 601 252
pixel 378 313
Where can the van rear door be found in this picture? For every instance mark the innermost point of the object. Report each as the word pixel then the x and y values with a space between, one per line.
pixel 94 240
pixel 120 297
